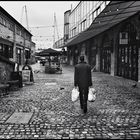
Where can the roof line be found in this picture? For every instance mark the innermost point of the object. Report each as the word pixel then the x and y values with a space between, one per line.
pixel 12 18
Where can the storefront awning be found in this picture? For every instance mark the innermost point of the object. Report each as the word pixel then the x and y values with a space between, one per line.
pixel 49 52
pixel 6 42
pixel 4 59
pixel 113 14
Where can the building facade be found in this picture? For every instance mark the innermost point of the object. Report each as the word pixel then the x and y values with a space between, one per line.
pixel 66 25
pixel 111 43
pixel 83 14
pixel 79 19
pixel 15 40
pixel 58 44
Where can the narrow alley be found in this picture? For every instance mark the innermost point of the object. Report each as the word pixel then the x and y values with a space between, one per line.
pixel 47 111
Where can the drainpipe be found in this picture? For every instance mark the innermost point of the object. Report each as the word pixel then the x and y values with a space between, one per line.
pixel 14 47
pixel 24 51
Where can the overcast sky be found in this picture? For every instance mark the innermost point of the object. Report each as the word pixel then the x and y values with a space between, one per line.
pixel 40 18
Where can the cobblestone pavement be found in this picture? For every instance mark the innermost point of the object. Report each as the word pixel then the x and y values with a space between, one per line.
pixel 115 114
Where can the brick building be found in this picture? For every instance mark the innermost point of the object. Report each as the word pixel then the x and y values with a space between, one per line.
pixel 15 41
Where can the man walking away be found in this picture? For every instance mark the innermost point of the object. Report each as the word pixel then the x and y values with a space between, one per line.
pixel 83 79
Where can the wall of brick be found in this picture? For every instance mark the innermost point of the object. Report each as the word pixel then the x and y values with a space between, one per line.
pixel 28 44
pixel 19 40
pixel 139 66
pixel 5 32
pixel 5 71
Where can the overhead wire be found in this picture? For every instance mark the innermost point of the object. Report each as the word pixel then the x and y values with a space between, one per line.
pixel 72 22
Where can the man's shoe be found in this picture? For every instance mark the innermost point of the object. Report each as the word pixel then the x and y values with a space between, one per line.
pixel 85 110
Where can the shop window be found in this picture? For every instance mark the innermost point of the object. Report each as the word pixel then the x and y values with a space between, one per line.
pixel 1 49
pixel 27 54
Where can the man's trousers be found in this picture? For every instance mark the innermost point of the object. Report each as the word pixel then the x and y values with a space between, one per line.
pixel 83 98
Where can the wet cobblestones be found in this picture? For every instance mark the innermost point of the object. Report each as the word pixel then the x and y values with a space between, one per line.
pixel 115 114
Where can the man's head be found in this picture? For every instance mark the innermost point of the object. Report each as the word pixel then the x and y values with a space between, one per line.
pixel 82 58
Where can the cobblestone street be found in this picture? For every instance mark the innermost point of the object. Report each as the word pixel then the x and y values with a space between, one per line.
pixel 115 114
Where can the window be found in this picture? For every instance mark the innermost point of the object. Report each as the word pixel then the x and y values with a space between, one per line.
pixel 93 15
pixel 27 54
pixel 11 26
pixel 28 37
pixel 98 11
pixel 4 22
pixel 103 5
pixel 10 51
pixel 6 51
pixel 22 33
pixel 123 38
pixel 7 24
pixel 1 49
pixel 1 20
pixel 81 28
pixel 74 31
pixel 84 24
pixel 18 51
pixel 90 19
pixel 18 31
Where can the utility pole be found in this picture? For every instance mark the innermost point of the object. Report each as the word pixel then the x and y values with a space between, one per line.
pixel 22 14
pixel 54 30
pixel 55 26
pixel 24 7
pixel 26 18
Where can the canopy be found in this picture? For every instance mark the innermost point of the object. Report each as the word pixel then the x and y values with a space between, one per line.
pixel 49 52
pixel 113 14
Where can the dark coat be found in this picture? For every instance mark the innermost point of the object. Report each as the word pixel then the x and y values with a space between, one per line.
pixel 82 75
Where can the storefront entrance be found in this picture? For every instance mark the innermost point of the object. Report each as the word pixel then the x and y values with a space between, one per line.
pixel 75 56
pixel 127 58
pixel 106 56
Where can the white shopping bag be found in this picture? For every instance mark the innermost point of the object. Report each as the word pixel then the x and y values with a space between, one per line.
pixel 91 94
pixel 74 94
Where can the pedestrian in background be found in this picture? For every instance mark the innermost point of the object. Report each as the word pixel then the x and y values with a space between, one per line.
pixel 83 80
